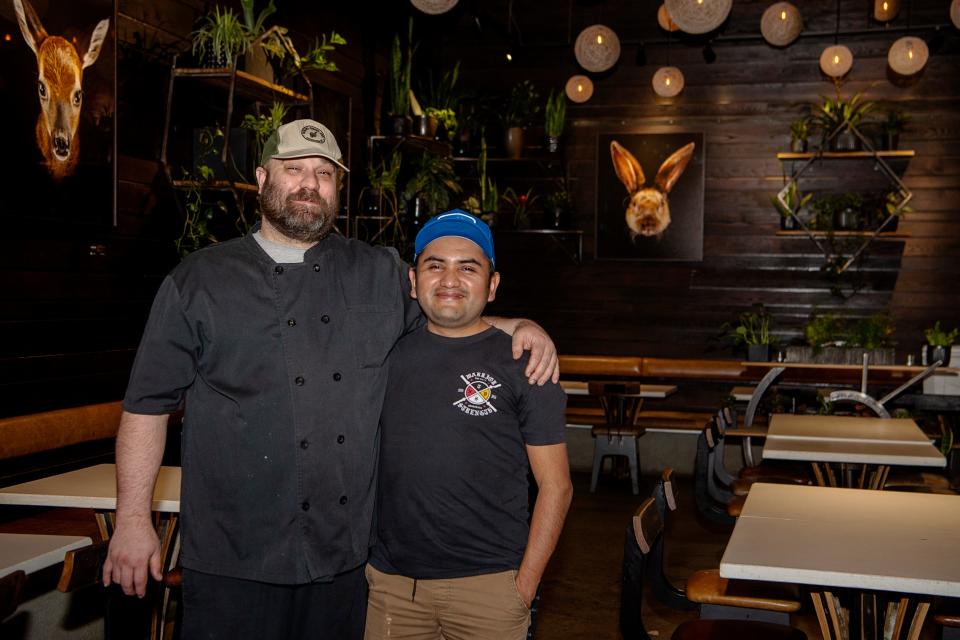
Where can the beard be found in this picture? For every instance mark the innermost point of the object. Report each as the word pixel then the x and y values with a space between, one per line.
pixel 310 222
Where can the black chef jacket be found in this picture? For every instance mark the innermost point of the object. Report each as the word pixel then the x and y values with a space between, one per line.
pixel 281 371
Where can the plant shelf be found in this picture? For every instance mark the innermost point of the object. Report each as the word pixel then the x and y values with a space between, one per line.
pixel 799 233
pixel 248 85
pixel 846 155
pixel 216 185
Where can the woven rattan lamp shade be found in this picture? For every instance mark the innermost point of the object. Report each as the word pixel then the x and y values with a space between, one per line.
pixel 955 13
pixel 908 55
pixel 434 7
pixel 698 16
pixel 781 24
pixel 579 88
pixel 597 48
pixel 668 82
pixel 836 60
pixel 663 18
pixel 885 10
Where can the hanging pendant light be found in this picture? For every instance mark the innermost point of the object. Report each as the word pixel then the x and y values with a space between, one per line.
pixel 668 82
pixel 885 10
pixel 781 24
pixel 908 55
pixel 664 20
pixel 434 7
pixel 579 89
pixel 835 61
pixel 597 48
pixel 698 16
pixel 955 13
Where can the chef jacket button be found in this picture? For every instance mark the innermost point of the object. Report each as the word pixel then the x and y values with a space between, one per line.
pixel 316 268
pixel 340 439
pixel 299 381
pixel 337 377
pixel 304 444
pixel 278 269
pixel 305 505
pixel 343 499
pixel 291 322
pixel 325 319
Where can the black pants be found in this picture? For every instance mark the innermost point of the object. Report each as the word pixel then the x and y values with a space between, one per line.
pixel 215 608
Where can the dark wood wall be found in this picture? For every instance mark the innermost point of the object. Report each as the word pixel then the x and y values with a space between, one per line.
pixel 75 297
pixel 743 103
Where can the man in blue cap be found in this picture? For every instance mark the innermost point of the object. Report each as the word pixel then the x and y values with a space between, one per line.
pixel 456 557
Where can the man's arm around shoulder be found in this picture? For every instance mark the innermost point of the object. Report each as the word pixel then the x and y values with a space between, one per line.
pixel 134 546
pixel 552 473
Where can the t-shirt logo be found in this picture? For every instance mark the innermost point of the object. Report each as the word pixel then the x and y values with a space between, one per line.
pixel 477 393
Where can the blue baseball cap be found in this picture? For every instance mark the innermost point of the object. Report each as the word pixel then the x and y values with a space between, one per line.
pixel 459 223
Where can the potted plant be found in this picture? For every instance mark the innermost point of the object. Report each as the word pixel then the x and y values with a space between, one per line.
pixel 489 194
pixel 894 122
pixel 753 330
pixel 521 204
pixel 398 85
pixel 518 110
pixel 221 39
pixel 836 118
pixel 442 101
pixel 554 116
pixel 834 340
pixel 790 208
pixel 939 343
pixel 429 189
pixel 800 131
pixel 381 193
pixel 263 125
pixel 559 204
pixel 837 211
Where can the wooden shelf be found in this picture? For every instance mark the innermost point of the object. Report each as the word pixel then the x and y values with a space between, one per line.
pixel 247 84
pixel 841 155
pixel 800 233
pixel 414 143
pixel 216 185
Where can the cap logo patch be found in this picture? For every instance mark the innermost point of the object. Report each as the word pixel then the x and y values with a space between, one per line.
pixel 311 133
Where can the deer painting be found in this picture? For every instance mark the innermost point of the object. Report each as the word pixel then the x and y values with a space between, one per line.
pixel 648 212
pixel 59 81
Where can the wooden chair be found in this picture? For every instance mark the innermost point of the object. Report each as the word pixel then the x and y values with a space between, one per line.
pixel 618 435
pixel 11 593
pixel 950 623
pixel 643 531
pixel 717 597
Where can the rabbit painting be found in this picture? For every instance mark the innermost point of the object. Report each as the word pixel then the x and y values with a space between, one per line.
pixel 648 212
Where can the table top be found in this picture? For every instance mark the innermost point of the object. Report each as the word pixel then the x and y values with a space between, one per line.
pixel 742 394
pixel 851 428
pixel 578 388
pixel 862 452
pixel 831 537
pixel 91 488
pixel 29 552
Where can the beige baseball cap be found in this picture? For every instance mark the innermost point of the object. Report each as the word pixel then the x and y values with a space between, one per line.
pixel 301 139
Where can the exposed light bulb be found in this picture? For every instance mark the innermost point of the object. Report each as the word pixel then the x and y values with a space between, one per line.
pixel 509 57
pixel 599 38
pixel 783 15
pixel 836 59
pixel 886 6
pixel 666 81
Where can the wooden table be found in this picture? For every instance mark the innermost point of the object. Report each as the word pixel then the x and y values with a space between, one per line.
pixel 831 537
pixel 96 488
pixel 578 388
pixel 850 441
pixel 29 552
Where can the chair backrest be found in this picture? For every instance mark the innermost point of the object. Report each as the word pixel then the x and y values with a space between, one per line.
pixel 665 497
pixel 642 532
pixel 11 592
pixel 83 567
pixel 710 499
pixel 620 400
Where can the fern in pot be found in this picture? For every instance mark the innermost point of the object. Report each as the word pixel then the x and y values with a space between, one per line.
pixel 554 119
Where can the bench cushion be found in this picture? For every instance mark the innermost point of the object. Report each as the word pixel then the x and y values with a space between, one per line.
pixel 23 435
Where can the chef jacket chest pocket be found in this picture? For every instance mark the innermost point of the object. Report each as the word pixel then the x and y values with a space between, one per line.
pixel 374 334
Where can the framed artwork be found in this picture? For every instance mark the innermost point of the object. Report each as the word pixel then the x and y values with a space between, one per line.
pixel 57 100
pixel 650 196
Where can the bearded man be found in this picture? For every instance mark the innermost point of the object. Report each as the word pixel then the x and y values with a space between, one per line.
pixel 275 345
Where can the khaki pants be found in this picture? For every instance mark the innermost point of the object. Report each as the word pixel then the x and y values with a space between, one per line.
pixel 486 607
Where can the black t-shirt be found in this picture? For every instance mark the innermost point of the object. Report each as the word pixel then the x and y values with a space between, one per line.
pixel 457 415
